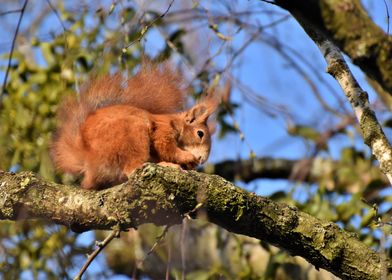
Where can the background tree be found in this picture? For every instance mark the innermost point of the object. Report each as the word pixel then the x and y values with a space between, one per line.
pixel 274 73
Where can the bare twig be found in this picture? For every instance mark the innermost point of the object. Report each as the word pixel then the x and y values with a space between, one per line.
pixel 250 40
pixel 269 2
pixel 158 240
pixel 259 102
pixel 145 28
pixel 167 274
pixel 282 50
pixel 22 10
pixel 10 12
pixel 383 258
pixel 100 246
pixel 387 11
pixel 310 64
pixel 57 15
pixel 198 206
pixel 184 232
pixel 156 243
pixel 189 14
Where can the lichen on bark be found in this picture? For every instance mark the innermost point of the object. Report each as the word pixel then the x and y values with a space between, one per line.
pixel 165 196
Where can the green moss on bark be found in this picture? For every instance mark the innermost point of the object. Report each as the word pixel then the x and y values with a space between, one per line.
pixel 164 196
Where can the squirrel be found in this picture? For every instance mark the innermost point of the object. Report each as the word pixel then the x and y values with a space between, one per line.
pixel 117 125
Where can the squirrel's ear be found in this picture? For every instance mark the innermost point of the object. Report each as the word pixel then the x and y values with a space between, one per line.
pixel 197 114
pixel 200 112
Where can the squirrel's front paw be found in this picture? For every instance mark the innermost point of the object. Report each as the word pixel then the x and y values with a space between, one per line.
pixel 186 158
pixel 190 162
pixel 190 165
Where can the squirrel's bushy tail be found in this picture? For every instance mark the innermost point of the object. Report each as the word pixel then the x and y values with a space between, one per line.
pixel 157 89
pixel 154 88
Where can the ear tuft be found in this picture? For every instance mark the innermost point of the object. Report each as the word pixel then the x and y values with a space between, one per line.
pixel 204 109
pixel 198 113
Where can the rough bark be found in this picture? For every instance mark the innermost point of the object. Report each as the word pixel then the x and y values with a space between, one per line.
pixel 348 25
pixel 249 170
pixel 301 170
pixel 163 196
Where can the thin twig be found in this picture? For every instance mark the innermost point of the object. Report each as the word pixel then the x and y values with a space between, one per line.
pixel 275 44
pixel 145 29
pixel 100 246
pixel 387 10
pixel 167 274
pixel 10 12
pixel 251 39
pixel 22 10
pixel 269 2
pixel 183 247
pixel 198 206
pixel 57 15
pixel 158 240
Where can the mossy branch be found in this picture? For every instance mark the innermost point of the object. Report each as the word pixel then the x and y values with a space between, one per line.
pixel 313 170
pixel 163 196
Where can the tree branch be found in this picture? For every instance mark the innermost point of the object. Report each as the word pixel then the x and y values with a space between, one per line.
pixel 372 131
pixel 252 169
pixel 312 170
pixel 163 195
pixel 100 246
pixel 352 30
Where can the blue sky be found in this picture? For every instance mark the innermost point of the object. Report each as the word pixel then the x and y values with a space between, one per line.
pixel 264 71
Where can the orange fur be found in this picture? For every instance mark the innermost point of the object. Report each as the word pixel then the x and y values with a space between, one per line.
pixel 116 126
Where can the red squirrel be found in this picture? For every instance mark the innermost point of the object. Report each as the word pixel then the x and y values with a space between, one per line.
pixel 116 125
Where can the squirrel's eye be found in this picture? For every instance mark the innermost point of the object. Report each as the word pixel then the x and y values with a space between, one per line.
pixel 200 134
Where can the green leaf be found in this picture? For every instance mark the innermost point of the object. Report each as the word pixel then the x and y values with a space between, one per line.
pixel 368 217
pixel 199 275
pixel 47 52
pixel 305 132
pixel 112 6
